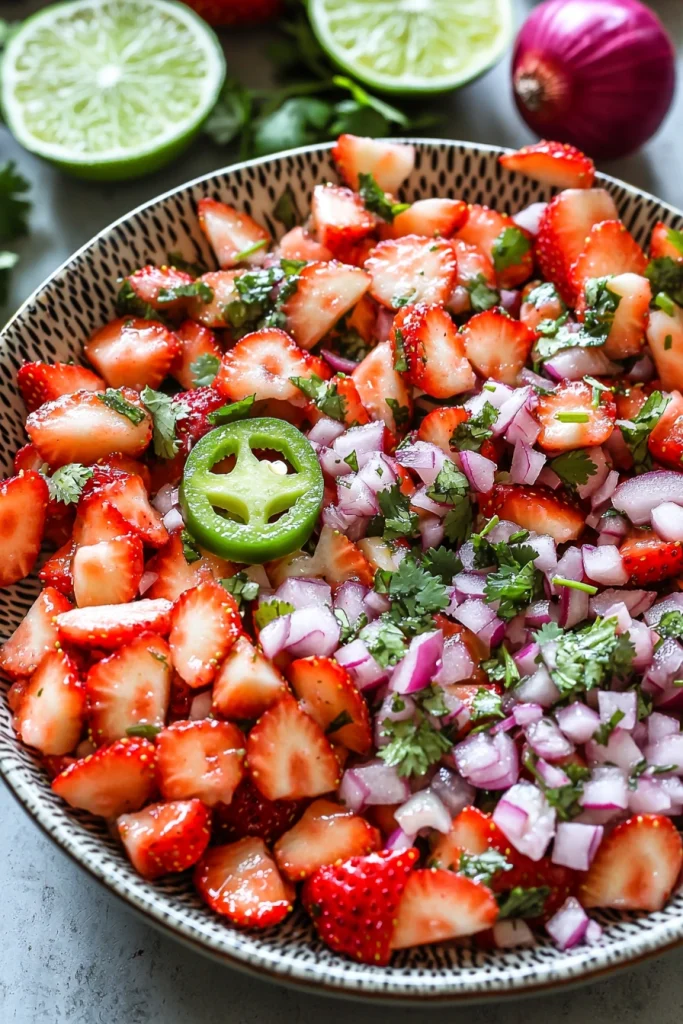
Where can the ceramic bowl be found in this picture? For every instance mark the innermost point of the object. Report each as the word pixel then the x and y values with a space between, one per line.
pixel 52 325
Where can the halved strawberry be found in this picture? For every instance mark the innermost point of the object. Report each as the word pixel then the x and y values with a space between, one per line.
pixel 389 163
pixel 353 905
pixel 231 233
pixel 133 353
pixel 241 882
pixel 23 508
pixel 636 866
pixel 247 684
pixel 297 244
pixel 262 364
pixel 204 625
pixel 165 838
pixel 87 426
pixel 131 687
pixel 149 281
pixel 664 242
pixel 125 464
pixel 35 635
pixel 438 905
pixel 609 250
pixel 203 759
pixel 222 285
pixel 56 571
pixel 43 382
pixel 250 814
pixel 197 342
pixel 126 492
pixel 108 572
pixel 112 781
pixel 98 520
pixel 426 342
pixel 564 226
pixel 553 163
pixel 666 438
pixel 289 756
pixel 486 229
pixel 327 693
pixel 339 218
pixel 51 712
pixel 627 331
pixel 108 626
pixel 434 218
pixel 336 559
pixel 439 425
pixel 546 304
pixel 528 506
pixel 648 559
pixel 570 417
pixel 175 574
pixel 472 831
pixel 324 292
pixel 496 345
pixel 473 265
pixel 665 338
pixel 382 389
pixel 412 269
pixel 326 834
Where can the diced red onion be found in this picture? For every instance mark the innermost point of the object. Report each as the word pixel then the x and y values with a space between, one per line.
pixel 304 632
pixel 512 932
pixel 332 464
pixel 516 633
pixel 535 379
pixel 605 492
pixel 466 555
pixel 382 782
pixel 593 933
pixel 544 544
pixel 503 725
pixel 423 810
pixel 570 566
pixel 357 660
pixel 667 751
pixel 376 604
pixel 538 689
pixel 667 521
pixel 147 580
pixel 604 566
pixel 353 791
pixel 302 592
pixel 578 722
pixel 613 526
pixel 325 431
pixel 352 526
pixel 526 659
pixel 639 495
pixel 453 791
pixel 641 637
pixel 421 500
pixel 659 726
pixel 479 471
pixel 456 662
pixel 399 840
pixel 671 603
pixel 575 844
pixel 549 478
pixel 338 363
pixel 540 612
pixel 568 926
pixel 469 584
pixel 609 702
pixel 552 776
pixel 525 714
pixel 530 217
pixel 165 499
pixel 385 319
pixel 201 706
pixel 574 606
pixel 576 363
pixel 606 790
pixel 488 762
pixel 173 520
pixel 648 797
pixel 597 479
pixel 420 663
pixel 526 464
pixel 546 740
pixel 643 369
pixel 524 427
pixel 350 599
pixel 424 458
pixel 637 601
pixel 526 818
pixel 355 498
pixel 509 409
pixel 378 473
pixel 475 614
pixel 511 301
pixel 620 750
pixel 368 438
pixel 493 633
pixel 493 392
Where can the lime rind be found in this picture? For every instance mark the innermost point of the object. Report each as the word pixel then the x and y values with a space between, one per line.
pixel 413 46
pixel 110 88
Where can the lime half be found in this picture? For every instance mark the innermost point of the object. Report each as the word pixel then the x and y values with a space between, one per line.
pixel 413 46
pixel 110 89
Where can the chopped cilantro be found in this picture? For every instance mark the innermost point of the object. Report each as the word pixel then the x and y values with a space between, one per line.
pixel 256 305
pixel 414 745
pixel 269 610
pixel 602 304
pixel 196 289
pixel 67 482
pixel 375 200
pixel 556 335
pixel 401 413
pixel 666 275
pixel 642 767
pixel 547 633
pixel 166 413
pixel 471 434
pixel 457 523
pixel 204 369
pixel 241 587
pixel 190 552
pixel 521 902
pixel 514 586
pixel 324 394
pixel 636 432
pixel 177 260
pixel 574 467
pixel 347 631
pixel 509 248
pixel 415 594
pixel 352 461
pixel 286 210
pixel 591 656
pixel 482 296
pixel 670 625
pixel 486 704
pixel 129 303
pixel 115 400
pixel 399 521
pixel 342 719
pixel 387 644
pixel 144 730
pixel 481 867
pixel 450 486
pixel 231 412
pixel 400 361
pixel 443 563
pixel 250 250
pixel 564 799
pixel 604 731
pixel 431 699
pixel 502 668
pixel 542 293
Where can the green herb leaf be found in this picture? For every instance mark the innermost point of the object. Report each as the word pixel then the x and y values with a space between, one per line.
pixel 144 730
pixel 231 412
pixel 564 799
pixel 666 275
pixel 482 296
pixel 574 468
pixel 502 668
pixel 231 114
pixel 115 400
pixel 394 507
pixel 670 625
pixel 387 644
pixel 352 461
pixel 166 412
pixel 204 369
pixel 400 361
pixel 486 704
pixel 375 199
pixel 324 394
pixel 521 902
pixel 543 293
pixel 129 303
pixel 414 745
pixel 196 289
pixel 589 657
pixel 401 413
pixel 190 551
pixel 481 867
pixel 604 731
pixel 509 248
pixel 14 209
pixel 269 610
pixel 514 587
pixel 241 587
pixel 286 210
pixel 177 260
pixel 636 432
pixel 67 483
pixel 442 562
pixel 469 435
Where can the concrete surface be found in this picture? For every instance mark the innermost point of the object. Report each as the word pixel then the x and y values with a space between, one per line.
pixel 70 951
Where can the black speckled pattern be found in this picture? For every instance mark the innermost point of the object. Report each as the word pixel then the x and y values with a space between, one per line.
pixel 53 324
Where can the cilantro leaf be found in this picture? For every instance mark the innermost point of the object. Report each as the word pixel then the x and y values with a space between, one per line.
pixel 514 587
pixel 502 668
pixel 165 413
pixel 196 289
pixel 450 486
pixel 471 434
pixel 231 412
pixel 375 200
pixel 671 625
pixel 190 551
pixel 542 293
pixel 589 657
pixel 399 521
pixel 414 745
pixel 509 248
pixel 241 587
pixel 401 413
pixel 269 610
pixel 387 644
pixel 286 210
pixel 129 303
pixel 574 467
pixel 481 867
pixel 443 563
pixel 67 483
pixel 352 461
pixel 666 275
pixel 177 260
pixel 204 369
pixel 115 400
pixel 557 335
pixel 548 632
pixel 636 432
pixel 324 394
pixel 482 296
pixel 415 594
pixel 602 304
pixel 564 799
pixel 144 730
pixel 521 902
pixel 486 704
pixel 400 361
pixel 604 731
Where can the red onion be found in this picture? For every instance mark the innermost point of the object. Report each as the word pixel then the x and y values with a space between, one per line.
pixel 147 580
pixel 360 664
pixel 568 926
pixel 424 458
pixel 452 790
pixel 475 614
pixel 593 933
pixel 376 604
pixel 524 714
pixel 609 702
pixel 540 612
pixel 420 664
pixel 524 427
pixel 530 218
pixel 544 544
pixel 173 520
pixel 604 493
pixel 368 438
pixel 378 473
pixel 526 464
pixel 552 775
pixel 672 603
pixel 509 409
pixel 526 659
pixel 549 478
pixel 527 820
pixel 516 633
pixel 325 431
pixel 353 791
pixel 488 762
pixel 456 663
pixel 597 479
pixel 165 499
pixel 479 471
pixel 469 584
pixel 639 495
pixel 659 726
pixel 538 689
pixel 577 721
pixel 546 740
pixel 305 593
pixel 620 612
pixel 604 565
pixel 599 75
pixel 350 599
pixel 303 632
pixel 527 375
pixel 385 318
pixel 352 526
pixel 574 606
pixel 399 840
pixel 576 363
pixel 668 750
pixel 380 782
pixel 649 797
pixel 421 500
pixel 493 392
pixel 201 706
pixel 511 301
pixel 667 521
pixel 331 463
pixel 576 844
pixel 620 750
pixel 354 497
pixel 605 791
pixel 643 369
pixel 338 363
pixel 512 932
pixel 637 601
pixel 423 810
pixel 641 637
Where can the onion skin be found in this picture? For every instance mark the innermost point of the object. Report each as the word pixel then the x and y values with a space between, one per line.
pixel 598 74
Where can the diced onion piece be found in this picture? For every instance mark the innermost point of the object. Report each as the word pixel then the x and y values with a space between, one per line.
pixel 526 818
pixel 576 844
pixel 568 926
pixel 423 810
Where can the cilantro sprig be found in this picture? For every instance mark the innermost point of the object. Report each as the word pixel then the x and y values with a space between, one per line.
pixel 469 435
pixel 375 199
pixel 636 432
pixel 166 413
pixel 324 394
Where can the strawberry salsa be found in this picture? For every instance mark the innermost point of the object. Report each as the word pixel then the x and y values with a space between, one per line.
pixel 366 568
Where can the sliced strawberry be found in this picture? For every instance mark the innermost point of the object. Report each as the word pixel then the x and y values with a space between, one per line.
pixel 247 684
pixel 149 281
pixel 389 163
pixel 439 425
pixel 222 285
pixel 251 814
pixel 83 428
pixel 434 218
pixel 203 759
pixel 298 245
pixel 564 226
pixel 666 438
pixel 412 269
pixel 485 228
pixel 609 250
pixel 472 831
pixel 528 506
pixel 131 687
pixel 165 838
pixel 112 781
pixel 553 163
pixel 636 866
pixel 327 693
pixel 51 711
pixel 197 342
pixel 665 338
pixel 439 905
pixel 126 492
pixel 175 574
pixel 231 234
pixel 326 834
pixel 35 635
pixel 648 559
pixel 473 266
pixel 23 508
pixel 546 304
pixel 427 342
pixel 98 520
pixel 288 755
pixel 570 418
pixel 354 412
pixel 241 882
pixel 339 218
pixel 324 293
pixel 496 345
pixel 664 242
pixel 204 625
pixel 336 559
pixel 627 332
pixel 353 905
pixel 43 382
pixel 262 364
pixel 382 389
pixel 125 464
pixel 133 353
pixel 108 572
pixel 56 571
pixel 109 626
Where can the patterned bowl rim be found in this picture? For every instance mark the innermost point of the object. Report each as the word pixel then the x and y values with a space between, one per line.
pixel 352 982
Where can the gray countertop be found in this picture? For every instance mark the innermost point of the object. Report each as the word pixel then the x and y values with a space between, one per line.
pixel 71 951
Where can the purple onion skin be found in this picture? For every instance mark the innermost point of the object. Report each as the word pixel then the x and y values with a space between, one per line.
pixel 598 74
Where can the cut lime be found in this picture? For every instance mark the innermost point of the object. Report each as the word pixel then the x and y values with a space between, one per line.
pixel 110 89
pixel 413 46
